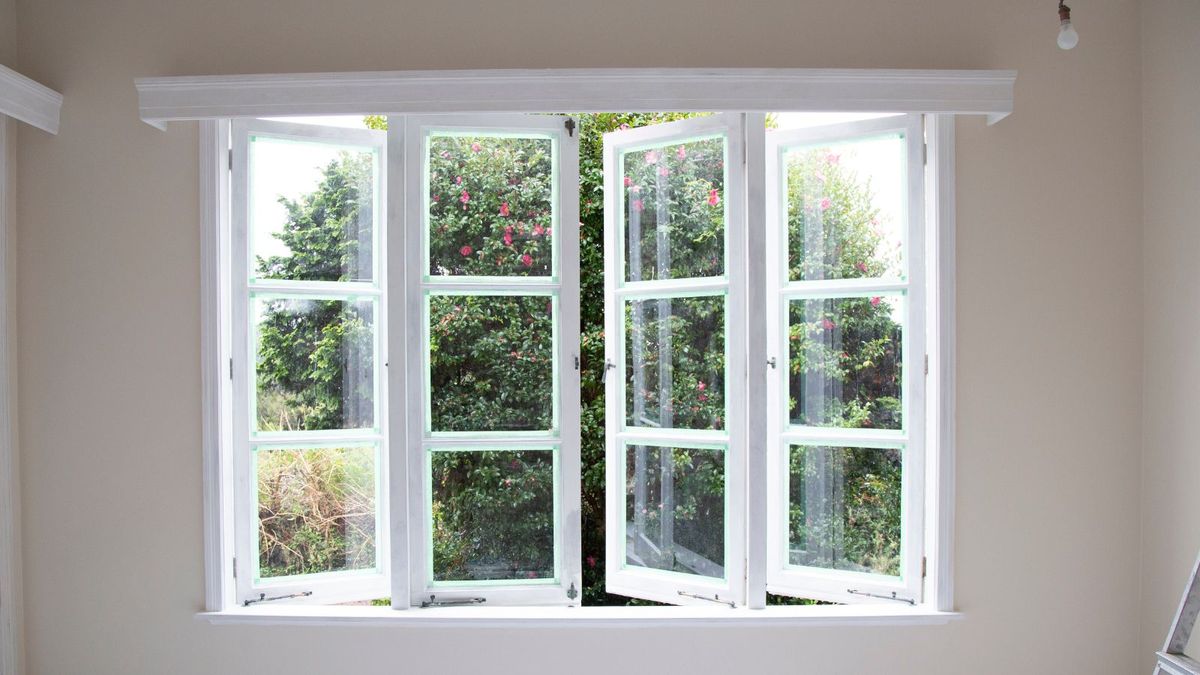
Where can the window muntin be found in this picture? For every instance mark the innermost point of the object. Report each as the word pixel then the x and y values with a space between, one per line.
pixel 497 382
pixel 306 215
pixel 674 222
pixel 845 290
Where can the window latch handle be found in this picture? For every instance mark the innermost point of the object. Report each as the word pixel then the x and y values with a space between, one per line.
pixel 608 365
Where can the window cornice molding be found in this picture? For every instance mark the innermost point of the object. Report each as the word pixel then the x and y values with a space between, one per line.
pixel 24 99
pixel 978 92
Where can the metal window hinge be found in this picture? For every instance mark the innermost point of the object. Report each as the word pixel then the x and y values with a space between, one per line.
pixel 923 567
pixel 926 364
pixel 262 597
pixel 576 362
pixel 893 596
pixel 235 568
pixel 924 154
pixel 771 362
pixel 715 598
pixel 231 159
pixel 569 123
pixel 231 369
pixel 434 602
pixel 571 592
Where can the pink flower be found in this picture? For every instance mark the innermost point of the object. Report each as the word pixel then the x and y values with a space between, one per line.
pixel 591 559
pixel 861 266
pixel 713 199
pixel 825 203
pixel 628 181
pixel 538 229
pixel 508 238
pixel 507 482
pixel 465 197
pixel 636 189
pixel 445 154
pixel 700 385
pixel 832 158
pixel 475 147
pixel 624 127
pixel 651 157
pixel 820 176
pixel 504 209
pixel 435 198
pixel 637 205
pixel 875 301
pixel 827 324
pixel 527 260
pixel 466 250
pixel 662 171
pixel 508 229
pixel 703 397
pixel 531 574
pixel 458 180
pixel 681 152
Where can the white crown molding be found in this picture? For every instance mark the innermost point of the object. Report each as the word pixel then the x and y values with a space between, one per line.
pixel 979 92
pixel 23 99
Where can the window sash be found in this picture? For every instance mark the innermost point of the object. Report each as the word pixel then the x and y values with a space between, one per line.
pixel 408 144
pixel 324 587
pixel 820 583
pixel 645 582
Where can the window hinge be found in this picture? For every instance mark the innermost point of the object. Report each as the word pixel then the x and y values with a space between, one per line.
pixel 231 159
pixel 576 362
pixel 926 364
pixel 893 596
pixel 572 593
pixel 923 568
pixel 262 597
pixel 235 567
pixel 924 154
pixel 231 368
pixel 569 123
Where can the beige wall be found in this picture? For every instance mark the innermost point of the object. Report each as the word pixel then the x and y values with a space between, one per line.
pixel 1050 340
pixel 1171 160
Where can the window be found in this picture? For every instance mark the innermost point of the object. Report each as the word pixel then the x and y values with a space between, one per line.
pixel 408 371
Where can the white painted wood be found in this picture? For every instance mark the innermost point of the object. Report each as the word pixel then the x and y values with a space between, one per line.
pixel 820 583
pixel 398 356
pixel 757 471
pixel 331 587
pixel 940 273
pixel 568 588
pixel 11 661
pixel 633 580
pixel 987 92
pixel 215 314
pixel 557 618
pixel 26 100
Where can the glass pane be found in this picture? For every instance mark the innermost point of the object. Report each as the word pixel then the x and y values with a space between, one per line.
pixel 845 368
pixel 846 208
pixel 491 205
pixel 316 510
pixel 844 510
pixel 491 362
pixel 675 509
pixel 312 210
pixel 493 514
pixel 675 210
pixel 315 364
pixel 675 363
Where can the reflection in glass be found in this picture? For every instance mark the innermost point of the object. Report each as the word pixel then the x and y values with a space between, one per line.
pixel 675 362
pixel 845 206
pixel 493 514
pixel 312 210
pixel 675 509
pixel 844 510
pixel 491 362
pixel 315 364
pixel 491 210
pixel 845 368
pixel 316 510
pixel 675 210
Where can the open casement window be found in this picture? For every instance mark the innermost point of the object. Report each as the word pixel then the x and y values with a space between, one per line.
pixel 675 422
pixel 307 296
pixel 845 321
pixel 492 296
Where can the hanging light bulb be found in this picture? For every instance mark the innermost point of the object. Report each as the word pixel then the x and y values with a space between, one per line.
pixel 1067 36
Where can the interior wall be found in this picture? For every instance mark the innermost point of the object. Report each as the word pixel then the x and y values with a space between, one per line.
pixel 10 519
pixel 1171 462
pixel 1049 333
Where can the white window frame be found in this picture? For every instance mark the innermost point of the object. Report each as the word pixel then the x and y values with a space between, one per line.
pixel 567 588
pixel 829 584
pixel 642 582
pixel 946 94
pixel 329 587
